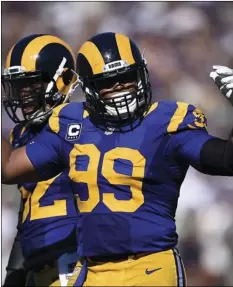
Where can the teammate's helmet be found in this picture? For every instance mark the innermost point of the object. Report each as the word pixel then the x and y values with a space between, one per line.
pixel 38 76
pixel 103 61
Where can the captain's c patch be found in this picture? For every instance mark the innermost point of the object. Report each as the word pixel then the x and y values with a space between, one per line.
pixel 73 132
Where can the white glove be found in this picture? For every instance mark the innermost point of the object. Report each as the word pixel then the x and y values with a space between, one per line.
pixel 223 79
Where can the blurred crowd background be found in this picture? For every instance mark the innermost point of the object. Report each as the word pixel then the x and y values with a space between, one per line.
pixel 181 41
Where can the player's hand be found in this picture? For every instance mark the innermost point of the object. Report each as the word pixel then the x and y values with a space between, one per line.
pixel 223 79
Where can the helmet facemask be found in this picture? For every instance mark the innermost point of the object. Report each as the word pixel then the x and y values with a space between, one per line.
pixel 123 105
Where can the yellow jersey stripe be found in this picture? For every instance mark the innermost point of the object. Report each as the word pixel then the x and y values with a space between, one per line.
pixel 178 117
pixel 54 119
pixel 85 114
pixel 22 131
pixel 11 136
pixel 151 109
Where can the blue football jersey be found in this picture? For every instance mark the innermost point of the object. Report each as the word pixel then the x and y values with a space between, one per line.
pixel 127 184
pixel 49 212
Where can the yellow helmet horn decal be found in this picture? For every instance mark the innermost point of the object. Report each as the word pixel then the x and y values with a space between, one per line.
pixel 125 51
pixel 93 56
pixel 30 53
pixel 8 59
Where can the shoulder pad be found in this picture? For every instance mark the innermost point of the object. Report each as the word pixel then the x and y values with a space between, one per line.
pixel 186 117
pixel 65 114
pixel 165 107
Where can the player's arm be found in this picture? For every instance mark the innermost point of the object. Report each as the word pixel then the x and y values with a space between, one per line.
pixel 16 166
pixel 39 160
pixel 205 153
pixel 223 79
pixel 192 145
pixel 216 156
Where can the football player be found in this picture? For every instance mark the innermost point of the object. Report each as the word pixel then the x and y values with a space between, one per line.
pixel 37 78
pixel 127 158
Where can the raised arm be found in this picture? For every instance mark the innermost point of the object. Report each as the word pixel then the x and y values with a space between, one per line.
pixel 207 154
pixel 194 146
pixel 223 79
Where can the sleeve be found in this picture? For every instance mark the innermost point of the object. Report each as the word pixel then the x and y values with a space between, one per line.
pixel 188 133
pixel 44 151
pixel 192 145
pixel 217 157
pixel 188 146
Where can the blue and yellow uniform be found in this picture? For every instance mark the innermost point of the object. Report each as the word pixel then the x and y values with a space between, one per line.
pixel 127 187
pixel 48 225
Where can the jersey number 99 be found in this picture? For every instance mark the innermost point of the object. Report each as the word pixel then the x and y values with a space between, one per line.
pixel 90 177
